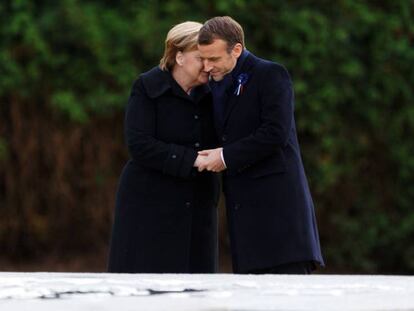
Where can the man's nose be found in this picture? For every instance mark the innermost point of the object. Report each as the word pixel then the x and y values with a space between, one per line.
pixel 207 66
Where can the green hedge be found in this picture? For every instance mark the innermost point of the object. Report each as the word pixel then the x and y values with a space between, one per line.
pixel 352 63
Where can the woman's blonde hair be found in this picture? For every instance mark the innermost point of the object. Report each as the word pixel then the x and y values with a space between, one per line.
pixel 180 38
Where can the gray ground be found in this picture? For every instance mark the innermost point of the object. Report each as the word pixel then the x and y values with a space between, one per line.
pixel 81 291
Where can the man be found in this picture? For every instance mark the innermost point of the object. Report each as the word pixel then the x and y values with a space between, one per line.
pixel 270 213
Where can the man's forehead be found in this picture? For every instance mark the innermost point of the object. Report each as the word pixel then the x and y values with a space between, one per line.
pixel 217 46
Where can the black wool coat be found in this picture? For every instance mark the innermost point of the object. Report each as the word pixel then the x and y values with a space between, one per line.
pixel 270 209
pixel 166 212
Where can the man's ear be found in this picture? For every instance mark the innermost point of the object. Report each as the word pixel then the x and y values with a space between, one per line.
pixel 179 58
pixel 237 50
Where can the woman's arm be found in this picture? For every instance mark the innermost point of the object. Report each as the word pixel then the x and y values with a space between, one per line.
pixel 144 148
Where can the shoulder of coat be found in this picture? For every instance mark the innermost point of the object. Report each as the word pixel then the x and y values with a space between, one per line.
pixel 155 82
pixel 268 68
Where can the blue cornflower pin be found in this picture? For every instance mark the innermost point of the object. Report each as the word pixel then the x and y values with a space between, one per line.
pixel 241 81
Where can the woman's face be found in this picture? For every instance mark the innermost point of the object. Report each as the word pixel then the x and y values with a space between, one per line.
pixel 193 67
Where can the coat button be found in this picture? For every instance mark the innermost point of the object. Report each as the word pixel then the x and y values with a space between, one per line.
pixel 236 206
pixel 197 144
pixel 173 156
pixel 224 138
pixel 187 204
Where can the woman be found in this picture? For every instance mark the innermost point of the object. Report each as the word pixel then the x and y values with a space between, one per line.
pixel 166 215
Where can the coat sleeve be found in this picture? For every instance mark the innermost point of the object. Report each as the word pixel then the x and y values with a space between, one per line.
pixel 144 147
pixel 276 103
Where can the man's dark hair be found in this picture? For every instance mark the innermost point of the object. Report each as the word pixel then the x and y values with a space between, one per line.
pixel 221 27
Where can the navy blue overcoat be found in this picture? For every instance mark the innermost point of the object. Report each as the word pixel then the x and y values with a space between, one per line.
pixel 270 210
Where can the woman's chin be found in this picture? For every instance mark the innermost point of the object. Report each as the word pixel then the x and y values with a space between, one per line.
pixel 203 79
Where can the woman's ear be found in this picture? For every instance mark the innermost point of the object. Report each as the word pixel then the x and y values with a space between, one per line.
pixel 179 58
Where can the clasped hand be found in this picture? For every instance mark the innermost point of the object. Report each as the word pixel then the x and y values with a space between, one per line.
pixel 210 160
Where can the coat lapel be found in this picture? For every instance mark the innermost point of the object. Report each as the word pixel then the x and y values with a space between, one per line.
pixel 232 99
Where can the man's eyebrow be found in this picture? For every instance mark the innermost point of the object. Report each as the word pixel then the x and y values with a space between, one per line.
pixel 211 58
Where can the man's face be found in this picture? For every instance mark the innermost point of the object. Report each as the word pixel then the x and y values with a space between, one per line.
pixel 217 60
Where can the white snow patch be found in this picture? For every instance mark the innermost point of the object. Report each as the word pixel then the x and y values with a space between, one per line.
pixel 206 292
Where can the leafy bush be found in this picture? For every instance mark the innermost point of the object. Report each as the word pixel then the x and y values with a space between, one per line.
pixel 72 63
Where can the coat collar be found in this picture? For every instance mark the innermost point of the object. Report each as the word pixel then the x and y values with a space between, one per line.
pixel 240 64
pixel 246 66
pixel 157 82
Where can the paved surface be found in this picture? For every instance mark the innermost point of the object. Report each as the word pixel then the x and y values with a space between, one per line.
pixel 219 292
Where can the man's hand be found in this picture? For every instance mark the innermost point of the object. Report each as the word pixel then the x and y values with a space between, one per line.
pixel 212 161
pixel 201 162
